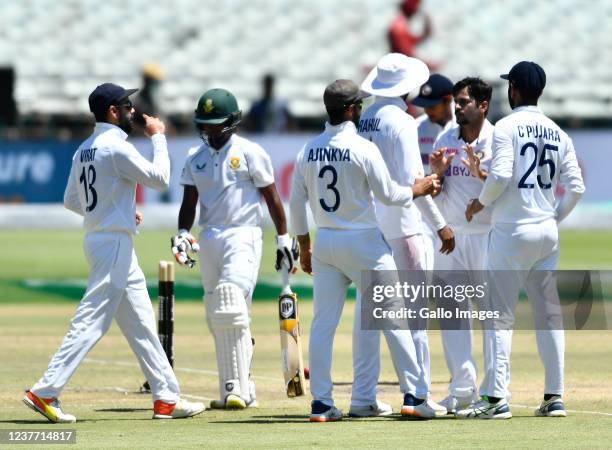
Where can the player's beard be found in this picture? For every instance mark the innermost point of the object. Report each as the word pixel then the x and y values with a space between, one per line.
pixel 126 121
pixel 356 117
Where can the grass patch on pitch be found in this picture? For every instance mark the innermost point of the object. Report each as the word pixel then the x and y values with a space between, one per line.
pixel 102 394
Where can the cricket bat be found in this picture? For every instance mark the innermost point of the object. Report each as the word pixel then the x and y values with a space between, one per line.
pixel 291 345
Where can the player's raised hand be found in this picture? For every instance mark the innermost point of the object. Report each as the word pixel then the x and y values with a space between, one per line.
pixel 447 236
pixel 439 162
pixel 181 244
pixel 429 185
pixel 473 208
pixel 472 162
pixel 153 125
pixel 287 253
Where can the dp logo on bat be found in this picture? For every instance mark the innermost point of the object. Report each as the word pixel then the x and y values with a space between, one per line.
pixel 287 308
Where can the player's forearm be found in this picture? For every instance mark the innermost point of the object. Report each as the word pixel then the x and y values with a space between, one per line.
pixel 299 219
pixel 71 198
pixel 567 204
pixel 304 241
pixel 186 217
pixel 275 208
pixel 161 161
pixel 395 195
pixel 493 188
pixel 277 213
pixel 431 212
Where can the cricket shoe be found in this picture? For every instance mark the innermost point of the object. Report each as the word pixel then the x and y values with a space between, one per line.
pixel 375 410
pixel 178 410
pixel 48 407
pixel 320 412
pixel 552 408
pixel 454 403
pixel 232 401
pixel 483 409
pixel 417 407
pixel 439 410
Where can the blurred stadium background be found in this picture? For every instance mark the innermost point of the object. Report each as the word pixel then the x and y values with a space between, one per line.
pixel 53 53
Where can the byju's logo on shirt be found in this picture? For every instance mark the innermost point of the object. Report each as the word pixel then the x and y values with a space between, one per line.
pixel 234 162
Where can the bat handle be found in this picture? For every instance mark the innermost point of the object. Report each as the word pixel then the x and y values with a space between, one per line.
pixel 286 288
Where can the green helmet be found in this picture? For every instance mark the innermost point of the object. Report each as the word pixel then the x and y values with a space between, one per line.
pixel 216 106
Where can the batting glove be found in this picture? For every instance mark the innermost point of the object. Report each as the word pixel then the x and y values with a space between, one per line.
pixel 287 253
pixel 182 243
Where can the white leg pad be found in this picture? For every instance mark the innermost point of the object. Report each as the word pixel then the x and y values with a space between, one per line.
pixel 228 319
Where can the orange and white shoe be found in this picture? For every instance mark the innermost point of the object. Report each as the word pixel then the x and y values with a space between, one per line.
pixel 178 410
pixel 320 412
pixel 48 407
pixel 417 408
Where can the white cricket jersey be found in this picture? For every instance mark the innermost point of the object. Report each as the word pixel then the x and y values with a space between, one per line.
pixel 459 185
pixel 531 156
pixel 394 132
pixel 339 173
pixel 428 132
pixel 228 182
pixel 103 177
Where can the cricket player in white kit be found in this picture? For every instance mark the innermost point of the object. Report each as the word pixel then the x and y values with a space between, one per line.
pixel 436 97
pixel 339 173
pixel 531 156
pixel 394 132
pixel 101 188
pixel 454 150
pixel 229 175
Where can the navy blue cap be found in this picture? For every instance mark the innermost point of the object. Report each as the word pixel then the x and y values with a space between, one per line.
pixel 433 91
pixel 527 75
pixel 107 94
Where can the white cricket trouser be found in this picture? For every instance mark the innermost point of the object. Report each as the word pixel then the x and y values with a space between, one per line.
pixel 469 255
pixel 522 251
pixel 116 289
pixel 230 255
pixel 429 247
pixel 408 254
pixel 339 257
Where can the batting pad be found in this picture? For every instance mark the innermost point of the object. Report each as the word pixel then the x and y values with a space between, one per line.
pixel 229 322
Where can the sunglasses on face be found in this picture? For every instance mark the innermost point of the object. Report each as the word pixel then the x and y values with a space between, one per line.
pixel 126 105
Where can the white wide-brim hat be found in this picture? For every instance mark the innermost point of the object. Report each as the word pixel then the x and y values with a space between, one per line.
pixel 395 75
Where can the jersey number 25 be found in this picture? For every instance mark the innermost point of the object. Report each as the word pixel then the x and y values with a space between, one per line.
pixel 543 161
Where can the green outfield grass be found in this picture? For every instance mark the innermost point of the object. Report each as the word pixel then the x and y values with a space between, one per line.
pixel 102 394
pixel 57 256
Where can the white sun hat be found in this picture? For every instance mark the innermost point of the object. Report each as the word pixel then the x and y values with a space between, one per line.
pixel 395 75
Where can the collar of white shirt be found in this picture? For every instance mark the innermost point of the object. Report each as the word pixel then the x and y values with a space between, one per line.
pixel 103 127
pixel 344 126
pixel 396 101
pixel 227 145
pixel 484 134
pixel 532 108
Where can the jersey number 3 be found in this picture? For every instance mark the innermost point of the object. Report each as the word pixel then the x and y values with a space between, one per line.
pixel 332 187
pixel 544 161
pixel 87 179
